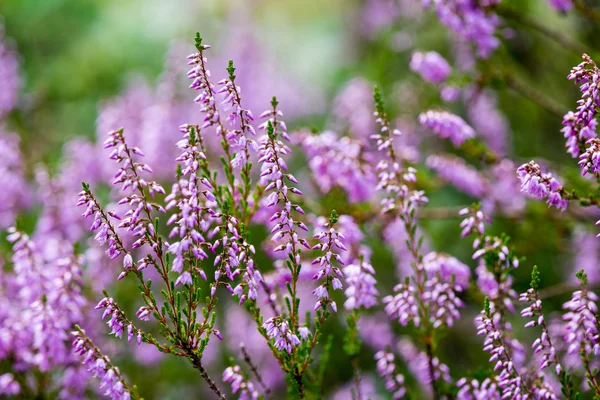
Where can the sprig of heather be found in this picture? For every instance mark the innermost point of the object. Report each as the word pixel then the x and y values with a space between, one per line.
pixel 409 302
pixel 447 126
pixel 240 383
pixel 542 185
pixel 239 137
pixel 580 126
pixel 394 380
pixel 111 380
pixel 278 181
pixel 200 76
pixel 118 321
pixel 186 335
pixel 510 381
pixel 360 278
pixel 496 262
pixel 544 344
pixel 330 239
pixel 431 66
pixel 582 328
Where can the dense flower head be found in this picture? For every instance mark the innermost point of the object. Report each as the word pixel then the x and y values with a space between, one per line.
pixel 447 126
pixel 431 66
pixel 340 161
pixel 448 268
pixel 471 21
pixel 589 161
pixel 279 331
pixel 581 324
pixel 386 368
pixel 189 196
pixel 361 291
pixel 237 137
pixel 509 380
pixel 580 126
pixel 331 242
pixel 442 301
pixel 542 185
pixel 542 345
pixel 403 306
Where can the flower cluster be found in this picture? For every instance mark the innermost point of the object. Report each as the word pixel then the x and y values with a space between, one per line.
pixel 471 21
pixel 386 368
pixel 240 384
pixel 581 321
pixel 510 382
pixel 431 66
pixel 331 274
pixel 361 291
pixel 447 126
pixel 280 332
pixel 580 126
pixel 118 322
pixel 542 185
pixel 111 381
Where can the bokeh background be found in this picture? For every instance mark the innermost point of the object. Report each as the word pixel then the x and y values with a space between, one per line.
pixel 86 62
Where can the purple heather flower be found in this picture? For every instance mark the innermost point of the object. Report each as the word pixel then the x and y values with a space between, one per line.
pixel 403 305
pixel 118 322
pixel 431 66
pixel 361 291
pixel 510 381
pixel 279 331
pixel 472 389
pixel 447 268
pixel 8 385
pixel 442 301
pixel 239 384
pixel 581 325
pixel 450 93
pixel 278 181
pixel 460 174
pixel 472 21
pixel 330 240
pixel 580 126
pixel 386 368
pixel 340 161
pixel 447 126
pixel 589 161
pixel 542 185
pixel 561 5
pixel 474 223
pixel 111 381
pixel 543 344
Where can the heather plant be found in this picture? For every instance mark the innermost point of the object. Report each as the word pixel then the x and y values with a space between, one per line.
pixel 263 261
